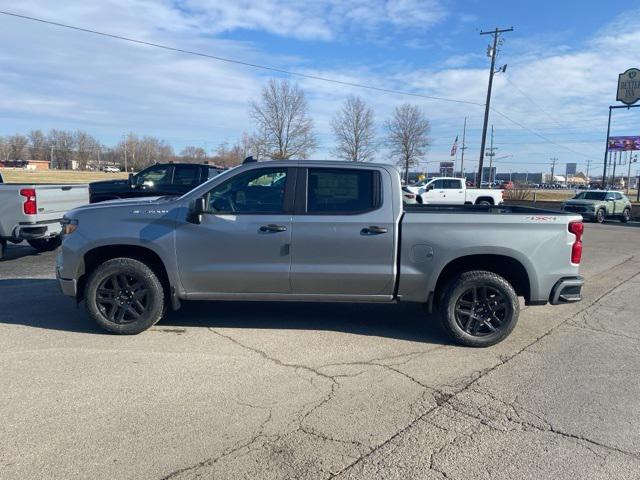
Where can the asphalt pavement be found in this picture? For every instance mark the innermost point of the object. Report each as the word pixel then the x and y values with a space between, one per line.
pixel 267 390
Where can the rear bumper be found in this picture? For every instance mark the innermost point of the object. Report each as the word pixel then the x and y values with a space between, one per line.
pixel 32 231
pixel 567 290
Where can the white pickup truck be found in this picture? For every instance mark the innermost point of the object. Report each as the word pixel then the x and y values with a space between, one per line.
pixel 33 213
pixel 454 191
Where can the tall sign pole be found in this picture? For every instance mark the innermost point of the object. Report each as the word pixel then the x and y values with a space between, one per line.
pixel 496 34
pixel 464 147
pixel 628 93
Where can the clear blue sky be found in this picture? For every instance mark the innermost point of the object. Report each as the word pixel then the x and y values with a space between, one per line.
pixel 563 60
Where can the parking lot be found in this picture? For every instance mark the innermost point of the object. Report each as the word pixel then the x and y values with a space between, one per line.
pixel 265 390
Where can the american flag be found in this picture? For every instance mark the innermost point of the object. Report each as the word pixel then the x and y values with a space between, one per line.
pixel 454 147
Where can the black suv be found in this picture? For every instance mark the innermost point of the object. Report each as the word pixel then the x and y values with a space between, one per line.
pixel 156 180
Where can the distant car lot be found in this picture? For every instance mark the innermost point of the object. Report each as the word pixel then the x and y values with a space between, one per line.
pixel 314 391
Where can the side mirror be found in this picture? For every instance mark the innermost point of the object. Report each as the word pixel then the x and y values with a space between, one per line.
pixel 130 179
pixel 429 187
pixel 197 210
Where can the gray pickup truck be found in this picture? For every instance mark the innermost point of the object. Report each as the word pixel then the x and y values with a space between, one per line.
pixel 318 231
pixel 33 212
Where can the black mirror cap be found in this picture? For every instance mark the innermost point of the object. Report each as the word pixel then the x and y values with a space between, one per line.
pixel 196 211
pixel 249 159
pixel 199 206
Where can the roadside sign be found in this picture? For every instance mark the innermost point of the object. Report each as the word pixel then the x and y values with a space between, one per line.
pixel 622 144
pixel 629 86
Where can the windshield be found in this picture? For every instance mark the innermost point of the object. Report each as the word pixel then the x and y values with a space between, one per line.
pixel 591 196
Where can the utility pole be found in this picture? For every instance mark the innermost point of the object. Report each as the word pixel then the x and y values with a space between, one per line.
pixel 124 144
pixel 588 164
pixel 491 154
pixel 494 51
pixel 615 161
pixel 464 147
pixel 553 169
pixel 51 159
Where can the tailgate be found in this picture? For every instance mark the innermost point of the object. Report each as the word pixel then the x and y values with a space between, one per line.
pixel 55 200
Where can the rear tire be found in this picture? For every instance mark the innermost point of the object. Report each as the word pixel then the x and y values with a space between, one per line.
pixel 484 202
pixel 125 296
pixel 479 309
pixel 626 215
pixel 45 244
pixel 600 215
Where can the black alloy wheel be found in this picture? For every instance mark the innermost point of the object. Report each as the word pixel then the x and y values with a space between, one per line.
pixel 481 311
pixel 122 298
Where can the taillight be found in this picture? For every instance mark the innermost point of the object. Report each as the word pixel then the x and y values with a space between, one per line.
pixel 577 228
pixel 30 206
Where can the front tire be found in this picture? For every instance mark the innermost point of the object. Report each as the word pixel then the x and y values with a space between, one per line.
pixel 600 215
pixel 45 244
pixel 479 309
pixel 125 296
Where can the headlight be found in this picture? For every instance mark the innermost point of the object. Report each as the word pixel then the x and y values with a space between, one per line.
pixel 69 225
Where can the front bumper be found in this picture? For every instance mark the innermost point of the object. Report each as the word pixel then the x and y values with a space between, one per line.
pixel 567 290
pixel 68 287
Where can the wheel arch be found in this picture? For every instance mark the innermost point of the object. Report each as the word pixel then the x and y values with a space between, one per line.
pixel 511 269
pixel 97 256
pixel 485 199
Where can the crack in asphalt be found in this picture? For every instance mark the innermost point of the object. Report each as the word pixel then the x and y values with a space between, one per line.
pixel 503 361
pixel 442 399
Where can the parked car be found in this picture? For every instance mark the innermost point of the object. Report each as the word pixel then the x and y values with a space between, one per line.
pixel 33 213
pixel 454 191
pixel 157 180
pixel 318 231
pixel 598 205
pixel 111 169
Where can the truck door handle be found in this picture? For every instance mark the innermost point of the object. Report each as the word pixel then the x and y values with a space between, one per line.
pixel 273 228
pixel 373 230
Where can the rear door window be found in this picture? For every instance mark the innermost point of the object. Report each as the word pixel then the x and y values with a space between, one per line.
pixel 186 175
pixel 452 184
pixel 342 191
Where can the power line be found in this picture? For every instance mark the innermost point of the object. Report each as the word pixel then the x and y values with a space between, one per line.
pixel 240 62
pixel 536 104
pixel 283 71
pixel 524 127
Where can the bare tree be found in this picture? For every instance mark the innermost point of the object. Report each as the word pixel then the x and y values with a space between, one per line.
pixel 408 136
pixel 86 148
pixel 38 145
pixel 4 150
pixel 193 154
pixel 63 143
pixel 17 147
pixel 353 128
pixel 282 117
